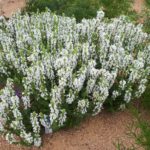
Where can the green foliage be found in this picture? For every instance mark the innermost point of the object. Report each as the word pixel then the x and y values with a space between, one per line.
pixel 33 5
pixel 146 99
pixel 143 138
pixel 147 20
pixel 116 7
pixel 147 3
pixel 82 8
pixel 79 9
pixel 140 131
pixel 119 145
pixel 146 16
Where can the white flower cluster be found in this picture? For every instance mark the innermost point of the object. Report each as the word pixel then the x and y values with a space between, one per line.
pixel 63 66
pixel 83 105
pixel 11 117
pixel 36 129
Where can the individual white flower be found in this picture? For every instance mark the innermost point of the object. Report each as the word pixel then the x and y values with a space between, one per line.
pixel 100 15
pixel 127 96
pixel 115 94
pixel 15 101
pixel 141 90
pixel 70 98
pixel 35 122
pixel 27 137
pixel 54 112
pixel 90 85
pixel 26 101
pixel 37 141
pixel 122 107
pixel 138 64
pixel 10 138
pixel 45 121
pixel 1 126
pixel 83 106
pixel 98 107
pixel 62 117
pixel 17 125
pixel 122 84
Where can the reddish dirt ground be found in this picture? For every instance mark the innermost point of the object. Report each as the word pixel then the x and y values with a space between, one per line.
pixel 7 7
pixel 138 5
pixel 97 133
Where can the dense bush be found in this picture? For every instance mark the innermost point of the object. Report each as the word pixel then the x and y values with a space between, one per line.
pixel 148 3
pixel 82 8
pixel 117 7
pixel 58 71
pixel 79 9
pixel 146 18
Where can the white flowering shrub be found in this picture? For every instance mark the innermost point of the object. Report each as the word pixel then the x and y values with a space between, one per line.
pixel 57 71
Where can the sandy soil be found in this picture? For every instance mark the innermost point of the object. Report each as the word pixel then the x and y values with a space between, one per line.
pixel 8 7
pixel 97 133
pixel 138 5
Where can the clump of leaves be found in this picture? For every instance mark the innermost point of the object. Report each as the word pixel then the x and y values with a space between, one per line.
pixel 117 7
pixel 77 8
pixel 147 20
pixel 147 3
pixel 141 133
pixel 145 99
pixel 83 8
pixel 138 130
pixel 119 145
